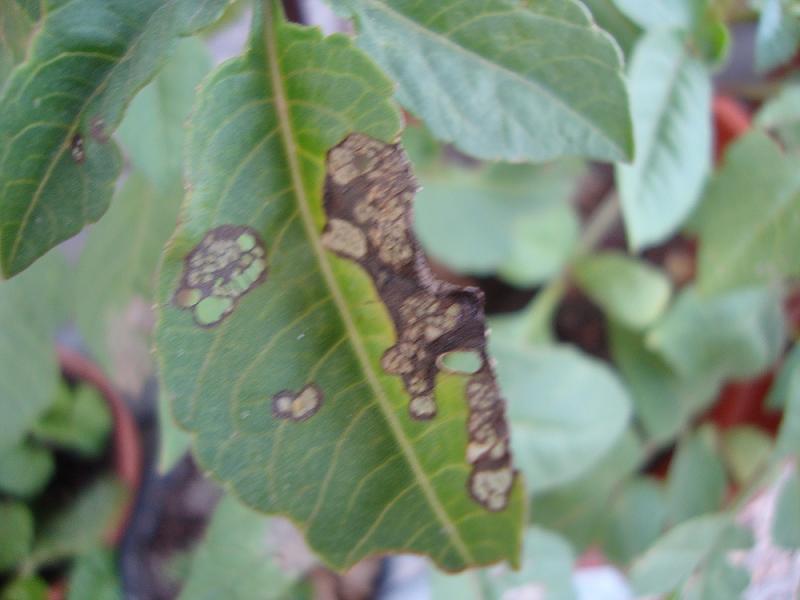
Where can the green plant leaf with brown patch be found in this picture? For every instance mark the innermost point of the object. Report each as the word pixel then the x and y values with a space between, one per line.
pixel 310 378
pixel 59 108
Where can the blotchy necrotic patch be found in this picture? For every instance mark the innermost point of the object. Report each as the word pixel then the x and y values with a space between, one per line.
pixel 369 192
pixel 297 406
pixel 228 262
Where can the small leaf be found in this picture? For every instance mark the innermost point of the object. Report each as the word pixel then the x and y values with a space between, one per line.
pixel 781 114
pixel 586 411
pixel 780 390
pixel 241 541
pixel 777 36
pixel 79 420
pixel 27 588
pixel 532 62
pixel 747 451
pixel 696 483
pixel 16 534
pixel 739 334
pixel 786 526
pixel 59 108
pixel 671 104
pixel 25 469
pixel 94 577
pixel 788 441
pixel 637 517
pixel 631 291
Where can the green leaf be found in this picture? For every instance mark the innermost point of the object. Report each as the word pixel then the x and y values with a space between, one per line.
pixel 781 389
pixel 25 469
pixel 682 551
pixel 94 577
pixel 637 517
pixel 28 588
pixel 747 451
pixel 514 219
pixel 546 572
pixel 18 19
pixel 629 290
pixel 781 114
pixel 671 104
pixel 777 36
pixel 79 420
pixel 788 441
pixel 245 555
pixel 696 483
pixel 531 62
pixel 174 442
pixel 747 221
pixel 663 401
pixel 60 107
pixel 248 376
pixel 786 526
pixel 566 411
pixel 739 334
pixel 608 16
pixel 659 14
pixel 16 534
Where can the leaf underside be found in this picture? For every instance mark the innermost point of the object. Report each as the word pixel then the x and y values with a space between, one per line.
pixel 300 340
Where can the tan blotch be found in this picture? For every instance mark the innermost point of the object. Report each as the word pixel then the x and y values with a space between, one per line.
pixel 422 407
pixel 345 238
pixel 491 487
pixel 297 407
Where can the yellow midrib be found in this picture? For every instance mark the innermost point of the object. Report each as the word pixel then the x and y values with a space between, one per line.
pixel 284 123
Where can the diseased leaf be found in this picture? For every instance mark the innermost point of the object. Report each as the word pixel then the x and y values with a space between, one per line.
pixel 586 411
pixel 781 114
pixel 786 526
pixel 94 577
pixel 300 340
pixel 632 292
pixel 16 534
pixel 778 34
pixel 749 221
pixel 60 107
pixel 671 103
pixel 503 80
pixel 25 469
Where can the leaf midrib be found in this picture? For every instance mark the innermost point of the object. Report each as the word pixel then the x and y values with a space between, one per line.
pixel 290 148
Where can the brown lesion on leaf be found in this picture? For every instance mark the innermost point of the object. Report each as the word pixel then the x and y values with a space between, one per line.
pixel 228 262
pixel 369 191
pixel 98 130
pixel 298 406
pixel 77 149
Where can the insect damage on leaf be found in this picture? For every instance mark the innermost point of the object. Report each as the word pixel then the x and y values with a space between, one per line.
pixel 369 192
pixel 297 407
pixel 228 262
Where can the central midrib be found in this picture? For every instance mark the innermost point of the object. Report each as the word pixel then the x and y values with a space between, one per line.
pixel 284 124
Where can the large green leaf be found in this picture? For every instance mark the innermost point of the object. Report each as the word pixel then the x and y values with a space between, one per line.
pixel 503 80
pixel 671 104
pixel 748 222
pixel 308 324
pixel 60 107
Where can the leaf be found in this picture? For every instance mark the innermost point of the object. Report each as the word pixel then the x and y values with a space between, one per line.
pixel 672 560
pixel 546 572
pixel 94 577
pixel 748 220
pixel 788 441
pixel 25 469
pixel 664 14
pixel 747 451
pixel 637 517
pixel 28 588
pixel 671 103
pixel 18 19
pixel 608 16
pixel 79 420
pixel 696 482
pixel 781 114
pixel 514 219
pixel 60 107
pixel 738 334
pixel 16 534
pixel 297 363
pixel 777 36
pixel 780 389
pixel 174 442
pixel 786 526
pixel 246 555
pixel 566 411
pixel 663 401
pixel 531 62
pixel 630 291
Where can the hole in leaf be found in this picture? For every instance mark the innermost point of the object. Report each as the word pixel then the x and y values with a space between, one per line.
pixel 466 362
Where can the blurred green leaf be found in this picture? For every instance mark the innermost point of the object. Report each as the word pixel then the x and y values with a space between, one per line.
pixel 747 451
pixel 79 420
pixel 27 588
pixel 696 483
pixel 246 555
pixel 567 411
pixel 671 103
pixel 174 442
pixel 781 387
pixel 629 290
pixel 697 547
pixel 738 334
pixel 532 63
pixel 18 19
pixel 788 441
pixel 514 219
pixel 546 572
pixel 608 16
pixel 749 221
pixel 786 526
pixel 778 34
pixel 637 517
pixel 93 576
pixel 25 469
pixel 16 534
pixel 660 14
pixel 60 107
pixel 781 114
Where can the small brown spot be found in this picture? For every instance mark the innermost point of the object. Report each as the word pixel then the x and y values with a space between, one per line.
pixel 76 148
pixel 98 130
pixel 297 407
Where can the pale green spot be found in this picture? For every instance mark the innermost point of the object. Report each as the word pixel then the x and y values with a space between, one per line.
pixel 212 309
pixel 246 242
pixel 467 362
